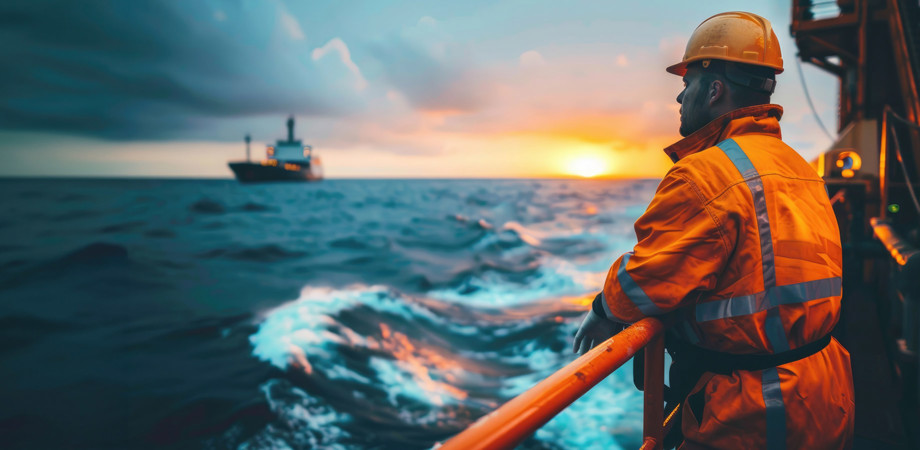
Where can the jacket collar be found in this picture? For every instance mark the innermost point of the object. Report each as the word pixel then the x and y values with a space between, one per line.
pixel 757 119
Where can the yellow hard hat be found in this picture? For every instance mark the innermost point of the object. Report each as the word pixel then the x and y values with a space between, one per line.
pixel 733 36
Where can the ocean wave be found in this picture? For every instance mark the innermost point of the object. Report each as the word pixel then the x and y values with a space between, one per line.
pixel 263 253
pixel 487 331
pixel 322 194
pixel 254 207
pixel 304 421
pixel 434 363
pixel 97 253
pixel 481 198
pixel 160 233
pixel 100 261
pixel 214 225
pixel 76 215
pixel 551 279
pixel 207 206
pixel 424 305
pixel 13 263
pixel 20 330
pixel 72 197
pixel 122 227
pixel 363 242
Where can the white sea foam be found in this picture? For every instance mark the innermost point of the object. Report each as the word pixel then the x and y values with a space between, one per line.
pixel 297 334
pixel 304 421
pixel 304 323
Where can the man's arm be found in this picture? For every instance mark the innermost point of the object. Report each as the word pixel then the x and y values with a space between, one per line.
pixel 681 250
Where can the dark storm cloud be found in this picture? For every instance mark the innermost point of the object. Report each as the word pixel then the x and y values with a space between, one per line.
pixel 150 69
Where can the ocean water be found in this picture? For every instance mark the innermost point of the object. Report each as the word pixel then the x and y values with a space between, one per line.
pixel 341 314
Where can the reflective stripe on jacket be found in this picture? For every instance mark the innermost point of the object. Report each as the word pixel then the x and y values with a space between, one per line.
pixel 741 239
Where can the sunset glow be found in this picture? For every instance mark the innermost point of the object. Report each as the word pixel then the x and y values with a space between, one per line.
pixel 588 166
pixel 402 90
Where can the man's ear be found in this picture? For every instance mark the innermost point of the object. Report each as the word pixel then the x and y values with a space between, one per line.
pixel 716 92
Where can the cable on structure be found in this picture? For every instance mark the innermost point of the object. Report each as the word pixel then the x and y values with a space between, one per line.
pixel 798 65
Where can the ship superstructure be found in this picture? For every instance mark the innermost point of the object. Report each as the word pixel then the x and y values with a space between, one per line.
pixel 286 160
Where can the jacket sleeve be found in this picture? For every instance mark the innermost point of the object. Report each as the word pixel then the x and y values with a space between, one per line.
pixel 681 250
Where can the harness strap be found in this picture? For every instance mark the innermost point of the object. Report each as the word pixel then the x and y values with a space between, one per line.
pixel 726 363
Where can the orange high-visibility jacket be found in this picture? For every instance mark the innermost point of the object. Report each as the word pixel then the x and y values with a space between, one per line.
pixel 741 239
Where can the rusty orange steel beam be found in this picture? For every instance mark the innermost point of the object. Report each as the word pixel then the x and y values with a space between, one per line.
pixel 514 421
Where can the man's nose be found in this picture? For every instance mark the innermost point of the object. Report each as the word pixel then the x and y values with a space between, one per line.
pixel 680 97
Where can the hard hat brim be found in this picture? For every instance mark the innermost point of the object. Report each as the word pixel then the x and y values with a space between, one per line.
pixel 680 69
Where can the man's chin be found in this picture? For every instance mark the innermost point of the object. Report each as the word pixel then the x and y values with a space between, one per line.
pixel 688 128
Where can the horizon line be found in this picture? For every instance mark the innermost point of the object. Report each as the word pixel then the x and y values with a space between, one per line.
pixel 206 178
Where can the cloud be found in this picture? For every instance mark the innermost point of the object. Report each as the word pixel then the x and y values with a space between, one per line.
pixel 292 26
pixel 155 70
pixel 339 47
pixel 394 96
pixel 433 74
pixel 531 58
pixel 583 98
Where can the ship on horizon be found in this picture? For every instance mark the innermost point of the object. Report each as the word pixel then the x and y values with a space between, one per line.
pixel 288 160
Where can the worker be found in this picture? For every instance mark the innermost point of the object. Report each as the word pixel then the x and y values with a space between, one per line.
pixel 741 246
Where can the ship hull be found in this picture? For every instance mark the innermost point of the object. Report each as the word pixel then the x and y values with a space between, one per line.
pixel 247 172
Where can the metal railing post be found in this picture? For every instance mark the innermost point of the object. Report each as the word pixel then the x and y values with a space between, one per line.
pixel 653 407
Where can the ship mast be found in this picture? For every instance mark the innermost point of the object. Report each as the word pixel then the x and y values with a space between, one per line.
pixel 290 127
pixel 248 139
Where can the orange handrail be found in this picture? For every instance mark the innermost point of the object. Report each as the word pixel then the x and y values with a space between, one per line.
pixel 525 414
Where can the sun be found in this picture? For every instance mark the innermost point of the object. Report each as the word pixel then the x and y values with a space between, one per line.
pixel 587 166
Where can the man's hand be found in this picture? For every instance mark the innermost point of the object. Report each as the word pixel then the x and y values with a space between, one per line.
pixel 594 330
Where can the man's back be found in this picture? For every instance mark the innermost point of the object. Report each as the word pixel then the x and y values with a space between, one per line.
pixel 741 241
pixel 790 241
pixel 780 290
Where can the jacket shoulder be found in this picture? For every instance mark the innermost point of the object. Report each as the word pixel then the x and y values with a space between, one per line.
pixel 709 171
pixel 772 156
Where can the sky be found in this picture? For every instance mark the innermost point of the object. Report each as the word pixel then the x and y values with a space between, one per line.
pixel 380 89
